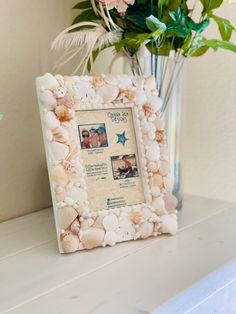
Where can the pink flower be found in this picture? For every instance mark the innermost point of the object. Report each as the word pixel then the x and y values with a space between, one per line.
pixel 120 5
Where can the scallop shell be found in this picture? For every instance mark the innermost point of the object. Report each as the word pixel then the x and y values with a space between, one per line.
pixel 87 223
pixel 59 175
pixel 164 168
pixel 47 81
pixel 47 99
pixel 168 184
pixel 136 217
pixel 141 97
pixel 146 213
pixel 60 195
pixel 51 121
pixel 77 194
pixel 110 222
pixel 108 93
pixel 98 81
pixel 63 114
pixel 150 82
pixel 92 237
pixel 111 79
pixel 155 103
pixel 145 230
pixel 156 180
pixel 171 202
pixel 159 123
pixel 70 243
pixel 155 190
pixel 60 92
pixel 58 151
pixel 66 215
pixel 153 152
pixel 75 226
pixel 126 229
pixel 158 203
pixel 110 238
pixel 138 81
pixel 169 224
pixel 98 222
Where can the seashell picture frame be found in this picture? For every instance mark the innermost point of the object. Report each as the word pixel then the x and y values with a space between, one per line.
pixel 107 159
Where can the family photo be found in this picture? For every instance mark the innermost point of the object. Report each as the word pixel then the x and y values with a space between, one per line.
pixel 93 135
pixel 124 166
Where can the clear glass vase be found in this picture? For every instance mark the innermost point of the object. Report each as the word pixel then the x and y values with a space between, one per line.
pixel 168 72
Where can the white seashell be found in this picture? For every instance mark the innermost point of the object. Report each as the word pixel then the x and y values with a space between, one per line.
pixel 155 102
pixel 60 194
pixel 92 237
pixel 77 194
pixel 155 190
pixel 153 152
pixel 70 243
pixel 69 201
pixel 110 222
pixel 59 175
pixel 152 118
pixel 125 81
pixel 151 135
pixel 111 79
pixel 144 231
pixel 126 229
pixel 110 238
pixel 169 224
pixel 98 222
pixel 159 123
pixel 146 140
pixel 138 81
pixel 66 215
pixel 158 203
pixel 75 226
pixel 146 213
pixel 47 100
pixel 145 127
pixel 49 135
pixel 108 93
pixel 47 81
pixel 150 82
pixel 168 184
pixel 60 92
pixel 87 223
pixel 58 151
pixel 51 120
pixel 141 97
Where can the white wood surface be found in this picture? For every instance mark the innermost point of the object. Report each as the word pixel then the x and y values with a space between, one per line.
pixel 135 277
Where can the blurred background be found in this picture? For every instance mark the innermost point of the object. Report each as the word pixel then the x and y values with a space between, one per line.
pixel 27 28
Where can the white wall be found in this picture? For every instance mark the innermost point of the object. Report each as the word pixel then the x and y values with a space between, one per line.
pixel 26 29
pixel 209 141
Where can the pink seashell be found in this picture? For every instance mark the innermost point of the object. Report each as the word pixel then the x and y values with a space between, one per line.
pixel 75 226
pixel 70 242
pixel 171 202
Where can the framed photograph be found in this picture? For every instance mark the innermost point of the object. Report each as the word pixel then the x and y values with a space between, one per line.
pixel 107 159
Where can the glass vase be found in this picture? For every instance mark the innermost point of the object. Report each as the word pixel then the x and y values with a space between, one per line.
pixel 168 72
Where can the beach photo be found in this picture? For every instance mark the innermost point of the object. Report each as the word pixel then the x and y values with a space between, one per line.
pixel 124 166
pixel 93 135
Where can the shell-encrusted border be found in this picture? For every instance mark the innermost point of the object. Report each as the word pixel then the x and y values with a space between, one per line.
pixel 77 226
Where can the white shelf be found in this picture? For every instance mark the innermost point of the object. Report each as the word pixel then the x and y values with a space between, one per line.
pixel 133 278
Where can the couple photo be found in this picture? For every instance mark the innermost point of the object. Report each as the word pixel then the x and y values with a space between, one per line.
pixel 93 136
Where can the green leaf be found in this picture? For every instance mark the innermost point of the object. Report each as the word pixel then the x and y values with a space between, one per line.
pixel 215 44
pixel 209 5
pixel 177 29
pixel 95 53
pixel 154 24
pixel 200 51
pixel 197 27
pixel 225 27
pixel 87 15
pixel 83 5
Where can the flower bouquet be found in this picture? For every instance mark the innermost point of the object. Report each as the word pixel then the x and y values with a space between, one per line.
pixel 168 31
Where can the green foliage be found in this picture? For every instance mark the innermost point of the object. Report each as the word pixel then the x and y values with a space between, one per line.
pixel 225 27
pixel 209 5
pixel 163 26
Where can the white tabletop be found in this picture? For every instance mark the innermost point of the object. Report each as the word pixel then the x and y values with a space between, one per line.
pixel 134 278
